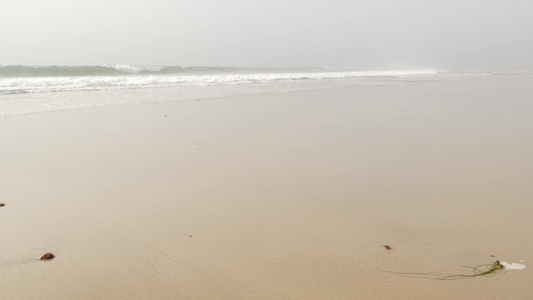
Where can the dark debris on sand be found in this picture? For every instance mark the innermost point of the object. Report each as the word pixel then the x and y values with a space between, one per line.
pixel 47 256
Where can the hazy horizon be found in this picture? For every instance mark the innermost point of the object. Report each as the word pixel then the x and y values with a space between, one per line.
pixel 383 34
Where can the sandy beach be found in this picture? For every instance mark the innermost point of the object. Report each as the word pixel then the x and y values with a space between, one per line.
pixel 276 196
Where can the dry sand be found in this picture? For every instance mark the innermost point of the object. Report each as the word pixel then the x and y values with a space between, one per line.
pixel 285 196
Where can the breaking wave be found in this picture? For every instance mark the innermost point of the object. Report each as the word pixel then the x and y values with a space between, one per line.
pixel 46 71
pixel 19 79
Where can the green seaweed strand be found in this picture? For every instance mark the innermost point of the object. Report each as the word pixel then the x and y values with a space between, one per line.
pixel 490 271
pixel 481 270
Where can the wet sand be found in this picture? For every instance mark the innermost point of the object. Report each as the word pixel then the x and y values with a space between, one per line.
pixel 284 196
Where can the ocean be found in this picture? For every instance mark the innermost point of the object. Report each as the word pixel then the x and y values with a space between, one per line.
pixel 28 89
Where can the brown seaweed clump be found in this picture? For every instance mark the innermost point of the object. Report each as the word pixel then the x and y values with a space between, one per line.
pixel 47 256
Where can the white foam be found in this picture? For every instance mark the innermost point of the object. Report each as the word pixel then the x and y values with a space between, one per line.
pixel 83 83
pixel 512 266
pixel 135 69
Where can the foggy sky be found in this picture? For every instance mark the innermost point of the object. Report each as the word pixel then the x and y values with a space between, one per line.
pixel 391 34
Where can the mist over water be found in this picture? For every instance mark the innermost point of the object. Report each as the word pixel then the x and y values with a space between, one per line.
pixel 380 34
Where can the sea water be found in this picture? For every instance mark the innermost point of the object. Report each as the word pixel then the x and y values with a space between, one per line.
pixel 34 89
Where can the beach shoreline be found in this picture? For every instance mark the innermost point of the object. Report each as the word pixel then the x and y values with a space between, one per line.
pixel 288 195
